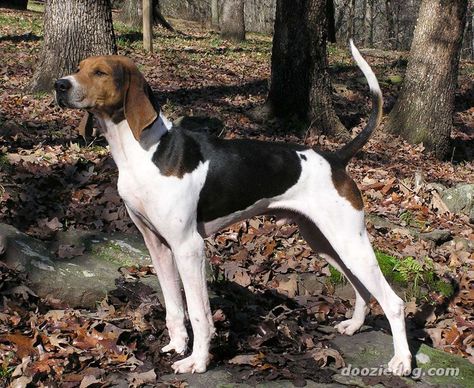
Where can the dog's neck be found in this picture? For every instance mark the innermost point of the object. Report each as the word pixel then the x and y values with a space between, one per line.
pixel 124 146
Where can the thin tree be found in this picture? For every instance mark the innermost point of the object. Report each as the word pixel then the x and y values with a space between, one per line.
pixel 147 26
pixel 423 112
pixel 73 30
pixel 131 14
pixel 215 13
pixel 300 84
pixel 232 20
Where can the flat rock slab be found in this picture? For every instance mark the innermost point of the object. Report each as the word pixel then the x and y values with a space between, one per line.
pixel 373 349
pixel 79 281
pixel 221 378
pixel 370 350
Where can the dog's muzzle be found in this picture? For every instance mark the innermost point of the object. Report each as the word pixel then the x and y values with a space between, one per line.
pixel 62 87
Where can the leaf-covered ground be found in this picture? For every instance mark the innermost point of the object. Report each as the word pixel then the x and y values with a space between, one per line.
pixel 50 180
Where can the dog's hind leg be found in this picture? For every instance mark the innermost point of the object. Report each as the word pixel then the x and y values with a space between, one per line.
pixel 319 244
pixel 168 278
pixel 343 228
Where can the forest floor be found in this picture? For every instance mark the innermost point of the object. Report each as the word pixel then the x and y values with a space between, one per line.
pixel 51 180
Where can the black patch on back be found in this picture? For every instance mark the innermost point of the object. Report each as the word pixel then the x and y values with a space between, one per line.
pixel 241 172
pixel 177 153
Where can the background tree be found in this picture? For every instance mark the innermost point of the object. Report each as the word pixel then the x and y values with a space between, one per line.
pixel 215 13
pixel 131 14
pixel 300 83
pixel 232 20
pixel 147 25
pixel 423 112
pixel 73 30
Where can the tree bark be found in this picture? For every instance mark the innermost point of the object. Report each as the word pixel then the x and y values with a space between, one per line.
pixel 232 22
pixel 351 20
pixel 390 20
pixel 131 14
pixel 215 13
pixel 73 30
pixel 423 112
pixel 300 84
pixel 147 26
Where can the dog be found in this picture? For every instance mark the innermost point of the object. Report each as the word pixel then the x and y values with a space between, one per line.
pixel 181 186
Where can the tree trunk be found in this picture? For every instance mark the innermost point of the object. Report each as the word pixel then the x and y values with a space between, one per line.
pixel 390 19
pixel 131 14
pixel 351 20
pixel 331 20
pixel 73 30
pixel 147 25
pixel 368 24
pixel 423 112
pixel 215 13
pixel 15 4
pixel 233 20
pixel 300 84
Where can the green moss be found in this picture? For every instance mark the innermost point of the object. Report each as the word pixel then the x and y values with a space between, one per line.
pixel 35 6
pixel 4 162
pixel 395 79
pixel 417 278
pixel 464 370
pixel 335 276
pixel 444 288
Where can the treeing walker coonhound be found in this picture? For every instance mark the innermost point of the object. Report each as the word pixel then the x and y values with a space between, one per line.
pixel 181 186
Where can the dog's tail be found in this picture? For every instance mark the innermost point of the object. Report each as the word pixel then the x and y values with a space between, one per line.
pixel 350 149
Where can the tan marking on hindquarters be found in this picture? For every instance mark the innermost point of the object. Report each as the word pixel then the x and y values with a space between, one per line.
pixel 347 188
pixel 114 87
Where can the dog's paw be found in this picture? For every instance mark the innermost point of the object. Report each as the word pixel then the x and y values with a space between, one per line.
pixel 174 346
pixel 400 365
pixel 191 364
pixel 349 326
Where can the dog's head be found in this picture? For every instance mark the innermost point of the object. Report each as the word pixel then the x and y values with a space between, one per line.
pixel 110 87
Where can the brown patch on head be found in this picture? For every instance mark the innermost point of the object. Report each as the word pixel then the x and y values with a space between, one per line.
pixel 346 187
pixel 114 86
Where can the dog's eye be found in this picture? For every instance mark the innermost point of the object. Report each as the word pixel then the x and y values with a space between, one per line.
pixel 77 70
pixel 99 73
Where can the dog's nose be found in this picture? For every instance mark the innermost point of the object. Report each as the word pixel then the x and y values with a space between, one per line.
pixel 62 85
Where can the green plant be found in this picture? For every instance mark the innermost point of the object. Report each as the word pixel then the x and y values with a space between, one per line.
pixel 410 270
pixel 4 162
pixel 407 217
pixel 335 276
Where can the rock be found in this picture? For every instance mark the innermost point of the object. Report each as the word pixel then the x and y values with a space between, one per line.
pixel 438 236
pixel 3 244
pixel 373 349
pixel 79 281
pixel 221 378
pixel 311 283
pixel 460 199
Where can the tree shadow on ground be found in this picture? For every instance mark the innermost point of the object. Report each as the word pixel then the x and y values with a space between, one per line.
pixel 29 37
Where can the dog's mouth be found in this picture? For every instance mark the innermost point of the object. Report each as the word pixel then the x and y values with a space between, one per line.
pixel 64 101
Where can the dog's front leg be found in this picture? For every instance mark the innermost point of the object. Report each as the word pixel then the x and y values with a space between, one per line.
pixel 170 285
pixel 190 260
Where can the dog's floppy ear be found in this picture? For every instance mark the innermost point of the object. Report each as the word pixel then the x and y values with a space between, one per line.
pixel 139 104
pixel 85 127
